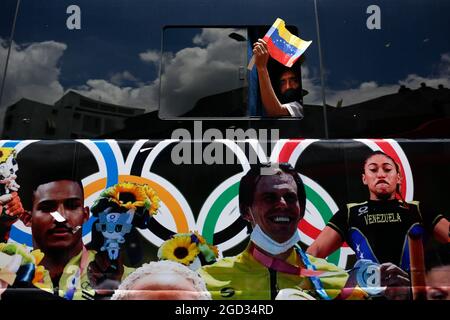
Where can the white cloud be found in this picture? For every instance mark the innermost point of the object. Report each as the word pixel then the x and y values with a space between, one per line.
pixel 370 90
pixel 212 65
pixel 365 91
pixel 151 56
pixel 144 97
pixel 445 62
pixel 33 72
pixel 187 73
pixel 120 77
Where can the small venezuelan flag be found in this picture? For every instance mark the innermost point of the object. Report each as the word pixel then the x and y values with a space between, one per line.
pixel 284 46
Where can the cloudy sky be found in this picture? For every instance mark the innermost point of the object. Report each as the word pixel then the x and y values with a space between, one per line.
pixel 115 56
pixel 208 65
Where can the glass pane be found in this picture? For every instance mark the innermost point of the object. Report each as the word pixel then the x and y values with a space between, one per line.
pixel 392 81
pixel 109 68
pixel 104 70
pixel 203 72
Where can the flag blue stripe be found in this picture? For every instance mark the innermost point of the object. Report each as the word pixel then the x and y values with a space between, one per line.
pixel 282 44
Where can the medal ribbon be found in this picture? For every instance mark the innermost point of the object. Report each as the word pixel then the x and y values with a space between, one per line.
pixel 284 267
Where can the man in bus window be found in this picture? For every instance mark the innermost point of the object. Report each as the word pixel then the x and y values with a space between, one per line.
pixel 287 103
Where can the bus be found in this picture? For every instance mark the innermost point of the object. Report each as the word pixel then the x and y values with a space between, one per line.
pixel 159 93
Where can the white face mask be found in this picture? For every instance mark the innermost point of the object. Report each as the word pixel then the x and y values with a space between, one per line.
pixel 263 241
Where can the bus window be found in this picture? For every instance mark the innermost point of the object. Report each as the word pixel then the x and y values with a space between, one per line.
pixel 204 73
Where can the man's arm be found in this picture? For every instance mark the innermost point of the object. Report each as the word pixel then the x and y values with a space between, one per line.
pixel 328 241
pixel 272 105
pixel 435 219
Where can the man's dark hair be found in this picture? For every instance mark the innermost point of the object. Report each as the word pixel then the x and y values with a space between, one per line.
pixel 47 161
pixel 381 153
pixel 53 179
pixel 247 186
pixel 281 71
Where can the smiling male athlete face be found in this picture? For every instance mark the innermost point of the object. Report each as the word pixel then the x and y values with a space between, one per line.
pixel 276 208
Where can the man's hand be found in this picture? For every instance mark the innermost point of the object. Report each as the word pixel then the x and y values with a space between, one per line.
pixel 261 54
pixel 14 205
pixel 11 206
pixel 396 281
pixel 11 183
pixel 105 275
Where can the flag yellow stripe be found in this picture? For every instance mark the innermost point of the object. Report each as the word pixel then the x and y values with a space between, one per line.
pixel 289 37
pixel 277 23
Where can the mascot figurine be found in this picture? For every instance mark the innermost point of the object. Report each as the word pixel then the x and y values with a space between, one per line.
pixel 119 208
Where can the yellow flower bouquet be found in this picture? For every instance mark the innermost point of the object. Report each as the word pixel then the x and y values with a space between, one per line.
pixel 129 195
pixel 190 249
pixel 142 200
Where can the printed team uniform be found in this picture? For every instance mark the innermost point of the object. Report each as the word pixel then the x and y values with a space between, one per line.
pixel 74 283
pixel 378 230
pixel 242 277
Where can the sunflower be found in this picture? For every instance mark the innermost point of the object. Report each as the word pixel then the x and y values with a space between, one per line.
pixel 152 201
pixel 127 195
pixel 180 249
pixel 186 247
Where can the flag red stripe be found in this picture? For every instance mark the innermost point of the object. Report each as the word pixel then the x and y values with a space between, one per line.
pixel 276 53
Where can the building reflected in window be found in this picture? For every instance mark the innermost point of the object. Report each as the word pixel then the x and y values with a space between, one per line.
pixel 74 115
